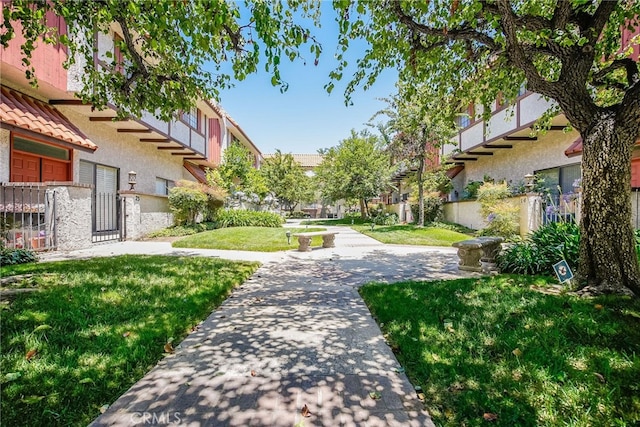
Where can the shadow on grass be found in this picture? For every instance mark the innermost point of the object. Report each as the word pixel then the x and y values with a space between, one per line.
pixel 96 326
pixel 489 346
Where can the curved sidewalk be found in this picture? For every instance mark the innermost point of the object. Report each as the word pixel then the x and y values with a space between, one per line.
pixel 295 335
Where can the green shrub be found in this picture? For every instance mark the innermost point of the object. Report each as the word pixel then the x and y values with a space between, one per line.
pixel 385 218
pixel 10 256
pixel 502 216
pixel 183 230
pixel 244 218
pixel 189 199
pixel 433 209
pixel 297 215
pixel 186 204
pixel 542 249
pixel 471 189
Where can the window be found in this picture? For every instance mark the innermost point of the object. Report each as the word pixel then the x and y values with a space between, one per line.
pixel 192 118
pixel 561 179
pixel 466 117
pixel 163 186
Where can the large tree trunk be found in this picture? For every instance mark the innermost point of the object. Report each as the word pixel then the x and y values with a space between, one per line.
pixel 608 259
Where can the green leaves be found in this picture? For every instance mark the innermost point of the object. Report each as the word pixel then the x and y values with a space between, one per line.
pixel 165 46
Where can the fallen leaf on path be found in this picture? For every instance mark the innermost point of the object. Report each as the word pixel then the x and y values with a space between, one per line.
pixel 375 395
pixel 488 416
pixel 168 348
pixel 253 373
pixel 305 412
pixel 104 408
pixel 30 354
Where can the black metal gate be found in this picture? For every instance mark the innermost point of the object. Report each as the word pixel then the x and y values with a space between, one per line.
pixel 108 217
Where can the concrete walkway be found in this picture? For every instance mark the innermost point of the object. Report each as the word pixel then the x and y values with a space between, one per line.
pixel 295 335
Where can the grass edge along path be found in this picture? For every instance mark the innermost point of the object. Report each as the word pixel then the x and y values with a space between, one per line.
pixel 97 326
pixel 493 350
pixel 254 239
pixel 408 234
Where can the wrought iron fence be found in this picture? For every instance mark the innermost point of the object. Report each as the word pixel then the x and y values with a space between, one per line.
pixel 559 208
pixel 27 216
pixel 108 214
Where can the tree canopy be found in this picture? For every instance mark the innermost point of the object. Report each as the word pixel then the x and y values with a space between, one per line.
pixel 358 168
pixel 174 52
pixel 569 51
pixel 286 179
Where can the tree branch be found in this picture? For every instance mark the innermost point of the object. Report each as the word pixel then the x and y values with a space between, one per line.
pixel 598 20
pixel 628 64
pixel 461 33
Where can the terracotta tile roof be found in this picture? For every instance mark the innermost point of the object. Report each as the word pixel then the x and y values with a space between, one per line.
pixel 306 160
pixel 30 114
pixel 575 148
pixel 197 172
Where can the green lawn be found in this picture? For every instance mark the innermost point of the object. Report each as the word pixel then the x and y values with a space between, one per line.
pixel 492 347
pixel 412 235
pixel 97 326
pixel 258 239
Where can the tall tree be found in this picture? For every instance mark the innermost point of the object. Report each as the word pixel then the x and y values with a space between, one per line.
pixel 358 168
pixel 419 126
pixel 286 180
pixel 566 50
pixel 166 45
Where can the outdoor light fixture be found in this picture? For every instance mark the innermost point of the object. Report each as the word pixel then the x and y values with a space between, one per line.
pixel 288 233
pixel 132 180
pixel 529 182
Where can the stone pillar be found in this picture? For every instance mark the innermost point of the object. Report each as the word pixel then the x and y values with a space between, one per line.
pixel 304 244
pixel 73 218
pixel 328 241
pixel 530 213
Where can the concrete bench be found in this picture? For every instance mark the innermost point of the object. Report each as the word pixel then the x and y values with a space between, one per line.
pixel 479 254
pixel 304 239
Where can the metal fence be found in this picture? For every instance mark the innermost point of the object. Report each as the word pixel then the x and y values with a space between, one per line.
pixel 559 208
pixel 108 214
pixel 27 216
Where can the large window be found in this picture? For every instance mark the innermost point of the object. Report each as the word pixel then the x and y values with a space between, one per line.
pixel 560 180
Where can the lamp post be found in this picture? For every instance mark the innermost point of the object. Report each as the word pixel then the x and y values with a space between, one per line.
pixel 288 233
pixel 132 180
pixel 373 224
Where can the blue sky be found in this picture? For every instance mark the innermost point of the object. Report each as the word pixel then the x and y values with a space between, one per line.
pixel 305 118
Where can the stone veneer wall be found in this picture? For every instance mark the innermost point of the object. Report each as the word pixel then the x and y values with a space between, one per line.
pixel 145 213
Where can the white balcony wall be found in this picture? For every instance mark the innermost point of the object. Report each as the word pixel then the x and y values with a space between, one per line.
pixel 105 44
pixel 448 148
pixel 532 107
pixel 154 122
pixel 472 136
pixel 198 142
pixel 501 122
pixel 180 132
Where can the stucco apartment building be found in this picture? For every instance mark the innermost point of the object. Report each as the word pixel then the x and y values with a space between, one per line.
pixel 72 176
pixel 503 148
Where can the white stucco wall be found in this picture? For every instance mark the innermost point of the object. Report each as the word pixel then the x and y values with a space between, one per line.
pixel 525 157
pixel 125 152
